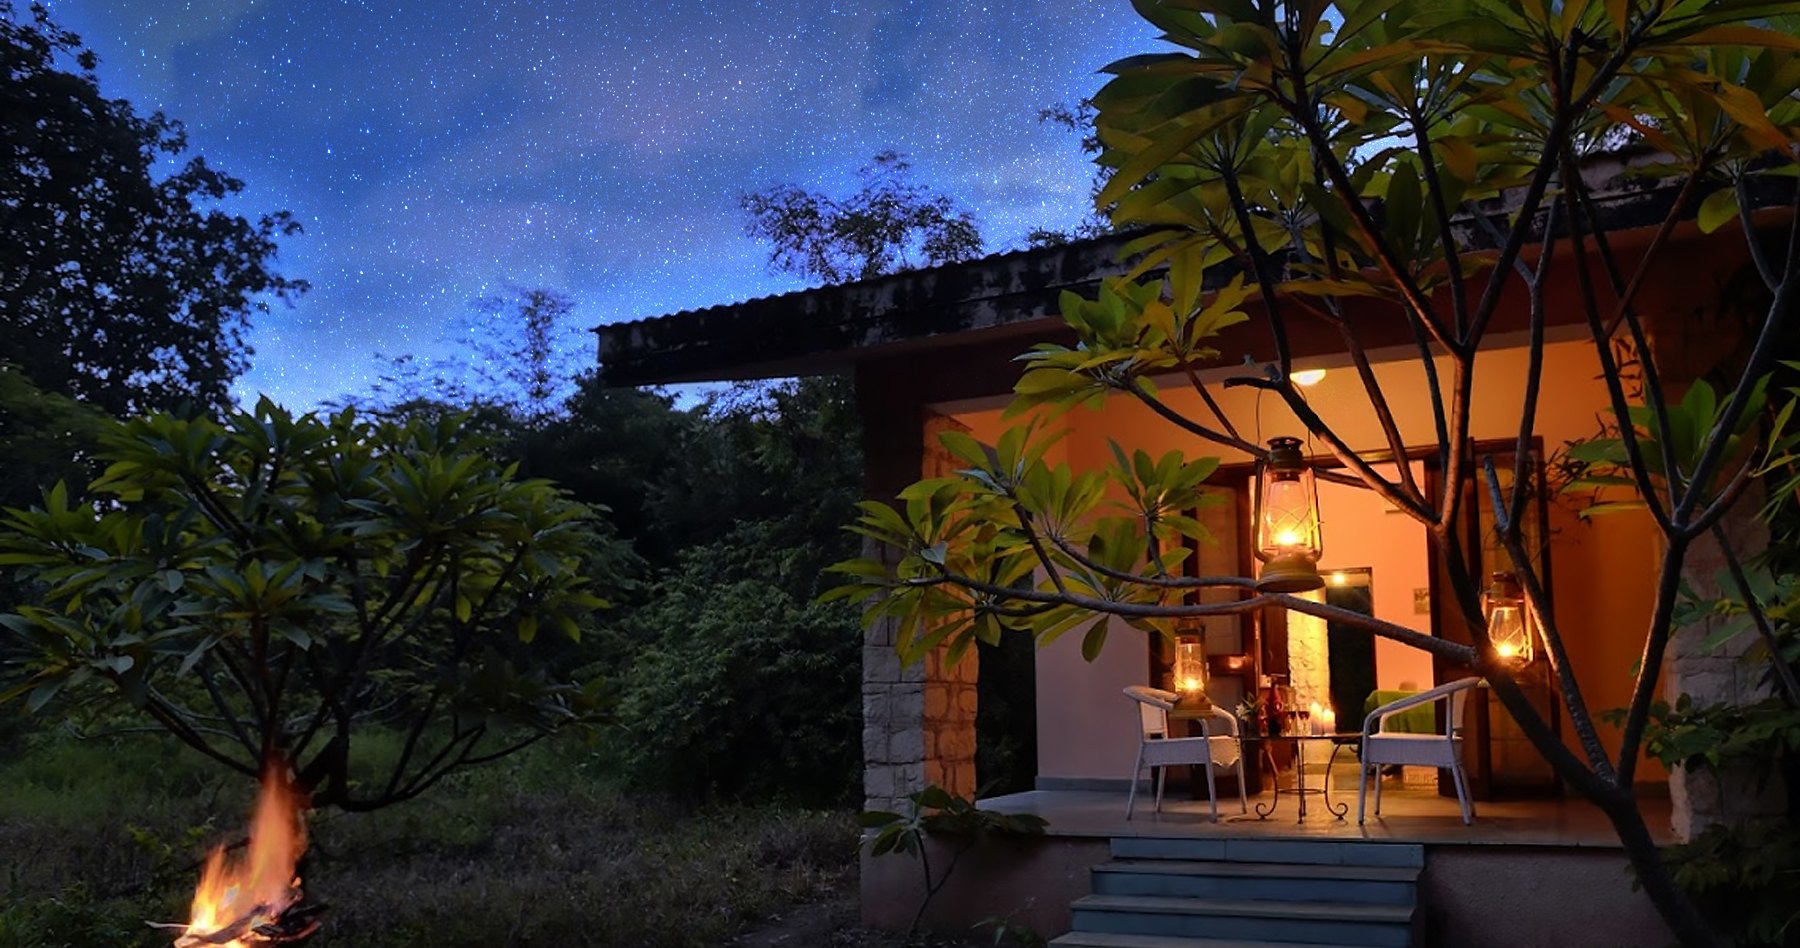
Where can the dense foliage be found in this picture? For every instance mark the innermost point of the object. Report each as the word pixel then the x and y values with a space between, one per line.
pixel 732 682
pixel 45 437
pixel 1746 877
pixel 128 291
pixel 739 682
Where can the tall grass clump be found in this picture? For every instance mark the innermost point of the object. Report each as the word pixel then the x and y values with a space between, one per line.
pixel 541 848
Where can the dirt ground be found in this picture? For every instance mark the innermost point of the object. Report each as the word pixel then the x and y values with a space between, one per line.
pixel 834 923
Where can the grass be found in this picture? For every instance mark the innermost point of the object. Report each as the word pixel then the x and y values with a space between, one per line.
pixel 539 849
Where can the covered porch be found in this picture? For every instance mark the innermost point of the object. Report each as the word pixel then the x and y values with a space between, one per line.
pixel 1544 872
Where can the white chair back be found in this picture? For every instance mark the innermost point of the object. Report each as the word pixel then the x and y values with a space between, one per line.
pixel 1153 709
pixel 1155 720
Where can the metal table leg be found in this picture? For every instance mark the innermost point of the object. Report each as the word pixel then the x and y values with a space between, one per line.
pixel 1339 810
pixel 1268 754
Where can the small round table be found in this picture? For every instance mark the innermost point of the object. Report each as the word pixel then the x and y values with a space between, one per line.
pixel 1339 741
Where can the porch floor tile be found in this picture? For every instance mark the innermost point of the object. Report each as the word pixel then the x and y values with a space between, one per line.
pixel 1408 814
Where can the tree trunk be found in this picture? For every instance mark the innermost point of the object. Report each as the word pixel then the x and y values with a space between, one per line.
pixel 1673 904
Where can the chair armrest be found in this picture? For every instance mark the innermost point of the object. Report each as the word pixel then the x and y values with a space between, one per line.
pixel 1231 722
pixel 1156 697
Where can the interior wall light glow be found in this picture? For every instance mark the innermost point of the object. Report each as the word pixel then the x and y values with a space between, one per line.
pixel 1306 377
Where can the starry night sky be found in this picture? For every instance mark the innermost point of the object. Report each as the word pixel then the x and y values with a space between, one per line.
pixel 438 152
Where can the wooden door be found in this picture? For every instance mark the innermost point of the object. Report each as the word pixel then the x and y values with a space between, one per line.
pixel 1500 759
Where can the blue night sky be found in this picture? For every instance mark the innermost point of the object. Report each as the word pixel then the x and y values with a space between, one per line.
pixel 437 153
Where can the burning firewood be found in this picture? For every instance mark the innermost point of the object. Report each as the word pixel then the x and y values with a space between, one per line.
pixel 252 898
pixel 290 927
pixel 294 925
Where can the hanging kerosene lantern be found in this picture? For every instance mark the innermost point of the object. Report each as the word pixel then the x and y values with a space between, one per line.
pixel 1511 622
pixel 1287 521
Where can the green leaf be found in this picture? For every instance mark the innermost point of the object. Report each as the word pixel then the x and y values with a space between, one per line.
pixel 1611 507
pixel 1094 640
pixel 1404 207
pixel 1719 208
pixel 41 695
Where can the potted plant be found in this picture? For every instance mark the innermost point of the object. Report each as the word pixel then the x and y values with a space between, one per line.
pixel 1250 715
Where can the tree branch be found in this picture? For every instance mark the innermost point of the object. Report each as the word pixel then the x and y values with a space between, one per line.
pixel 1342 451
pixel 1624 311
pixel 1434 187
pixel 1784 673
pixel 1580 717
pixel 1637 713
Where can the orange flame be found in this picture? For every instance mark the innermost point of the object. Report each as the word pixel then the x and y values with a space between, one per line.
pixel 237 894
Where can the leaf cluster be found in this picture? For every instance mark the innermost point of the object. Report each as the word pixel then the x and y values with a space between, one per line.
pixel 1746 877
pixel 1346 149
pixel 1603 467
pixel 936 811
pixel 1127 335
pixel 970 546
pixel 1715 737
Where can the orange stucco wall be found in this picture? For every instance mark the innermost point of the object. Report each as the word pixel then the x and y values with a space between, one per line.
pixel 1602 571
pixel 1365 531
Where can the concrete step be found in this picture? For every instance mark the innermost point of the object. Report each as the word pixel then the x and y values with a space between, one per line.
pixel 1278 882
pixel 1110 940
pixel 1324 852
pixel 1317 923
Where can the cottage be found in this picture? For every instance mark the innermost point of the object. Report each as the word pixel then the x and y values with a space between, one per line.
pixel 934 350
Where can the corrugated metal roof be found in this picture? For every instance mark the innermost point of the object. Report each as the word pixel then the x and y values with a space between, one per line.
pixel 830 328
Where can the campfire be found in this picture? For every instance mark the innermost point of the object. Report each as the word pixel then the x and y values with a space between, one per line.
pixel 250 896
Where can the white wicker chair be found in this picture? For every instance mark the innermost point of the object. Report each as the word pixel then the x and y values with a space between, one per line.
pixel 1158 751
pixel 1444 751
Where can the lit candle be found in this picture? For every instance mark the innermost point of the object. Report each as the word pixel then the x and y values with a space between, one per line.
pixel 1328 724
pixel 1315 717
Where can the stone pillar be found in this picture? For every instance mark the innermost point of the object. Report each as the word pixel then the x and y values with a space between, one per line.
pixel 1309 657
pixel 1702 798
pixel 949 722
pixel 893 717
pixel 919 719
pixel 1711 340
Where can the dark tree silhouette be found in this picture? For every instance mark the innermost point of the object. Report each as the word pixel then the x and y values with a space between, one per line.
pixel 116 288
pixel 892 224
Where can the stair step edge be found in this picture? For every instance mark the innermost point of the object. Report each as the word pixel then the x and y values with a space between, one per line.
pixel 1333 852
pixel 1328 911
pixel 1118 940
pixel 1213 867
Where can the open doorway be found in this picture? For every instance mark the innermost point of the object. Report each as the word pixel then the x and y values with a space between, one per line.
pixel 1375 563
pixel 1352 651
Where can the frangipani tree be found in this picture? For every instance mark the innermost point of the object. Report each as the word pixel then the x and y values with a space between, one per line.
pixel 1370 166
pixel 271 588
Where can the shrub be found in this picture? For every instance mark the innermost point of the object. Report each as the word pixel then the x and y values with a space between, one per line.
pixel 744 691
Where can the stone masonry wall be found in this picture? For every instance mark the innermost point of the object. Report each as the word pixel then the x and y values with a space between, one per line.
pixel 1702 342
pixel 1703 798
pixel 919 719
